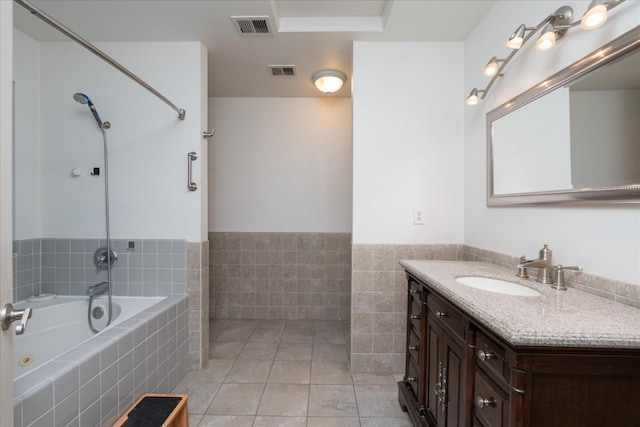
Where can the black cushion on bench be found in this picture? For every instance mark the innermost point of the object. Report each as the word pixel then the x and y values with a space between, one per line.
pixel 152 411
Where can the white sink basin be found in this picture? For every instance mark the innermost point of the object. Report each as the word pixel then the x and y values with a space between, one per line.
pixel 497 286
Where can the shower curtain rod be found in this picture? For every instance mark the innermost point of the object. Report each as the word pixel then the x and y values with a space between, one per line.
pixel 67 32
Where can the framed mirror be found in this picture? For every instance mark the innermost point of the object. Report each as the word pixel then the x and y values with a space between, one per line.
pixel 573 138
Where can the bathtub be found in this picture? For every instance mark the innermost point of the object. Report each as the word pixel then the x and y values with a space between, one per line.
pixel 67 375
pixel 61 324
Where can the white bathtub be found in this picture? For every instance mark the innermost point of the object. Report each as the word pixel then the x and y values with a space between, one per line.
pixel 95 379
pixel 61 324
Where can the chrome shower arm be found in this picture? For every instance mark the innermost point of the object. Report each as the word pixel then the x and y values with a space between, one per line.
pixel 93 49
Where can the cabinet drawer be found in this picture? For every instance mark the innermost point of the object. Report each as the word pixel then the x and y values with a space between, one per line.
pixel 414 377
pixel 413 348
pixel 448 317
pixel 415 290
pixel 491 356
pixel 490 402
pixel 416 315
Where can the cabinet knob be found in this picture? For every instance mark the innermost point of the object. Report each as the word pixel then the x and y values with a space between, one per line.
pixel 485 402
pixel 414 291
pixel 415 317
pixel 414 348
pixel 441 314
pixel 485 355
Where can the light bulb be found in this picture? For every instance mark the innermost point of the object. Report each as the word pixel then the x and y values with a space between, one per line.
pixel 517 38
pixel 472 99
pixel 595 16
pixel 329 81
pixel 491 68
pixel 547 40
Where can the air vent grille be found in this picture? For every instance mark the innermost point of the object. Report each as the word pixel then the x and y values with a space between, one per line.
pixel 282 70
pixel 252 25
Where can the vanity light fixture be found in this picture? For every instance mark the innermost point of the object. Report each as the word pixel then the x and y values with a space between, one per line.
pixel 329 81
pixel 554 27
pixel 517 37
pixel 547 39
pixel 472 99
pixel 492 66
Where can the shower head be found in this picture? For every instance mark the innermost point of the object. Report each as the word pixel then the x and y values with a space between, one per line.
pixel 84 99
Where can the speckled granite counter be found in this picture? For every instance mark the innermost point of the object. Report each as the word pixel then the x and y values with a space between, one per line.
pixel 556 318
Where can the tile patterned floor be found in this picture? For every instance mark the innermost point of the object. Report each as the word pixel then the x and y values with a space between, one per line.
pixel 289 373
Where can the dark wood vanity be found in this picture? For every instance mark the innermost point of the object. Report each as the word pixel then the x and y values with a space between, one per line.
pixel 460 373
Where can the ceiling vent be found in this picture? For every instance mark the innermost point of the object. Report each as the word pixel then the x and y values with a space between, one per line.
pixel 252 25
pixel 282 70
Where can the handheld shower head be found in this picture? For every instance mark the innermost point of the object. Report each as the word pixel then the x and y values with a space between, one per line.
pixel 84 99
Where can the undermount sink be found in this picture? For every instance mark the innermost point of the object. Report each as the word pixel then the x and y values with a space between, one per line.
pixel 498 286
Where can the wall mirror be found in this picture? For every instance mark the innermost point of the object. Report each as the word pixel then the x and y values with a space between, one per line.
pixel 573 138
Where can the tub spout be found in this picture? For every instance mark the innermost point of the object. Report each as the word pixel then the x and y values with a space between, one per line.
pixel 97 289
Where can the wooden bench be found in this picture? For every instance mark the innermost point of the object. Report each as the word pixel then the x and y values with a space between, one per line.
pixel 157 410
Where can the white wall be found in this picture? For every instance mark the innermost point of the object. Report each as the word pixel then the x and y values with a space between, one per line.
pixel 280 164
pixel 148 145
pixel 407 142
pixel 26 171
pixel 605 241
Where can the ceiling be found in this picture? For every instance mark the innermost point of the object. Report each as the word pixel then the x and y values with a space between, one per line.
pixel 310 34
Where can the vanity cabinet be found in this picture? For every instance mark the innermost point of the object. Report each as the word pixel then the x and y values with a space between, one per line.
pixel 460 373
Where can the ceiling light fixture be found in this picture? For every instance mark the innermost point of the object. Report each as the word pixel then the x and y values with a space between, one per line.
pixel 329 81
pixel 554 27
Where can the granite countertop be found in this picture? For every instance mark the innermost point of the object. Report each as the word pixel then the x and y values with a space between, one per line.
pixel 556 318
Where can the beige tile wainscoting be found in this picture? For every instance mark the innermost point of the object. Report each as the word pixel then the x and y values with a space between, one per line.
pixel 280 275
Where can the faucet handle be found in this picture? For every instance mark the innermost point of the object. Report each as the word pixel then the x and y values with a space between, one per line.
pixel 559 285
pixel 522 270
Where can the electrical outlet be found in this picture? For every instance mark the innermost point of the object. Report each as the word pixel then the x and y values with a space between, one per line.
pixel 418 216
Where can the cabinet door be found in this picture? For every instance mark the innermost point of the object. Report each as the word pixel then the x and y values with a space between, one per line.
pixel 454 363
pixel 434 340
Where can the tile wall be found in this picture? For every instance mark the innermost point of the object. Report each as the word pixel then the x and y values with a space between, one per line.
pixel 280 275
pixel 379 302
pixel 198 290
pixel 65 266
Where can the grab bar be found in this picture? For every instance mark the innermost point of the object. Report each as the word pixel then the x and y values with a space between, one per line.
pixel 93 49
pixel 191 157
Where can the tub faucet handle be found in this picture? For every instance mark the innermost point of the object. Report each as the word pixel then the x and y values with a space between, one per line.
pixel 8 315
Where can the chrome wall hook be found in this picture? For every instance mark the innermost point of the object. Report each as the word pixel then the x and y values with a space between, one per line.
pixel 209 134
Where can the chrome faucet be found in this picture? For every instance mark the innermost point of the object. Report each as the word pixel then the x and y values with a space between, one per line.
pixel 543 263
pixel 97 289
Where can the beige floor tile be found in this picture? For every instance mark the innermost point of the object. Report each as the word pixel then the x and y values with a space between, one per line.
pixel 385 422
pixel 225 421
pixel 236 399
pixel 284 400
pixel 194 420
pixel 259 351
pixel 332 401
pixel 268 324
pixel 249 371
pixel 371 378
pixel 200 395
pixel 333 422
pixel 378 401
pixel 329 336
pixel 235 334
pixel 330 352
pixel 241 323
pixel 298 335
pixel 294 351
pixel 280 422
pixel 329 325
pixel 301 324
pixel 266 335
pixel 225 349
pixel 330 373
pixel 290 372
pixel 214 372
